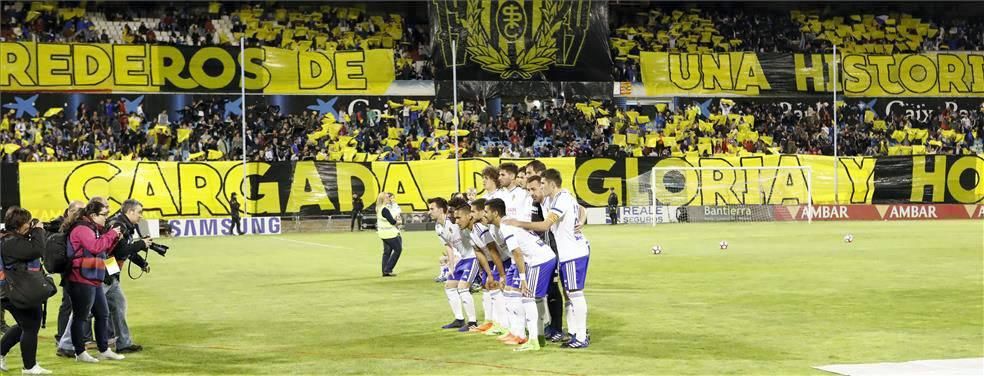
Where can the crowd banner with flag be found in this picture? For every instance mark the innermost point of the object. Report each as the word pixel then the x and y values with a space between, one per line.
pixel 202 188
pixel 78 67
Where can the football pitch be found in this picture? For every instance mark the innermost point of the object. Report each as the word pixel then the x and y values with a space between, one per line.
pixel 784 297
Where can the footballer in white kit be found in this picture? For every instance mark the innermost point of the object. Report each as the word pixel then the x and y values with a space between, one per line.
pixel 533 262
pixel 480 239
pixel 463 272
pixel 573 250
pixel 519 203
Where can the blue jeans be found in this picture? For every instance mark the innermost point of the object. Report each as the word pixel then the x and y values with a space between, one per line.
pixel 85 299
pixel 117 314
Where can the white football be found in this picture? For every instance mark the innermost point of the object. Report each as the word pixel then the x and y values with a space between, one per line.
pixel 657 249
pixel 724 244
pixel 848 238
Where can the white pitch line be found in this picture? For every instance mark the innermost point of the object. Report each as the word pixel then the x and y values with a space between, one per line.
pixel 315 244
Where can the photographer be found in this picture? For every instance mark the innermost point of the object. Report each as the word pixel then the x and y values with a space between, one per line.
pixel 55 224
pixel 92 244
pixel 126 249
pixel 613 207
pixel 234 212
pixel 23 246
pixel 65 310
pixel 357 212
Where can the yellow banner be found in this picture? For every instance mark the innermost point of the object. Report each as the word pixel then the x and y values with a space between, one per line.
pixel 29 66
pixel 931 74
pixel 667 74
pixel 202 189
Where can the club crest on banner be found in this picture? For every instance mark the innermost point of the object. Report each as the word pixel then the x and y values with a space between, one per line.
pixel 514 39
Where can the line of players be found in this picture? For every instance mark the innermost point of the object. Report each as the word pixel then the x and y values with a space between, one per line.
pixel 493 239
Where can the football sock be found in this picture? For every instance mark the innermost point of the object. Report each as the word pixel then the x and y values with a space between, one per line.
pixel 517 321
pixel 499 305
pixel 487 306
pixel 455 301
pixel 580 316
pixel 468 302
pixel 532 316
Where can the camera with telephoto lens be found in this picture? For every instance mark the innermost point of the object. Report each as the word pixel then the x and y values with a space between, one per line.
pixel 161 249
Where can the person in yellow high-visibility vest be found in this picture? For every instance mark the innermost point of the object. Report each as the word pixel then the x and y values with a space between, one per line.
pixel 389 233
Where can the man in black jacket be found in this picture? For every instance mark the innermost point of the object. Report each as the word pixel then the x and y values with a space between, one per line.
pixel 55 224
pixel 357 212
pixel 613 207
pixel 126 249
pixel 234 212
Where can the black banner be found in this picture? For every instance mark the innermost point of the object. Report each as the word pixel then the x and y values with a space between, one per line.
pixel 517 41
pixel 518 90
pixel 929 178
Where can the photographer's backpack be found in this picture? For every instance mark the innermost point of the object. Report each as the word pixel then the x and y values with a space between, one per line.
pixel 56 254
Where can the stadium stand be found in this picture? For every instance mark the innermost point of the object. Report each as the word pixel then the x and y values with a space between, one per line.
pixel 293 26
pixel 780 27
pixel 413 129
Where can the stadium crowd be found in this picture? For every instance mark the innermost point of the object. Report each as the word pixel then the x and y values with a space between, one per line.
pixel 532 128
pixel 784 28
pixel 412 131
pixel 296 26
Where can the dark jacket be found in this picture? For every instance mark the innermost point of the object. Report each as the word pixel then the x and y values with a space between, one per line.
pixel 388 216
pixel 357 206
pixel 17 249
pixel 234 208
pixel 20 249
pixel 612 200
pixel 128 246
pixel 55 225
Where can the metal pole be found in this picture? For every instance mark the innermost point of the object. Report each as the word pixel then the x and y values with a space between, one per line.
pixel 836 199
pixel 242 84
pixel 454 104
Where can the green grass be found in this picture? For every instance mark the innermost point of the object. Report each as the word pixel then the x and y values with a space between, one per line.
pixel 784 297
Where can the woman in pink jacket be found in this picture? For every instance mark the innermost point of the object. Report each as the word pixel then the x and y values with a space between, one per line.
pixel 92 245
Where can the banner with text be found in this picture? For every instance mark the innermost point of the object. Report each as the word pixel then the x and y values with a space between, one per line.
pixel 935 74
pixel 29 66
pixel 201 190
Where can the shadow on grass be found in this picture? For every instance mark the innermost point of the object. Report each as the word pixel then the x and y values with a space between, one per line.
pixel 401 275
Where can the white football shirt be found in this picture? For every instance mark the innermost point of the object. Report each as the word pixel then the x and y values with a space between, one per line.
pixel 480 236
pixel 519 204
pixel 534 251
pixel 570 244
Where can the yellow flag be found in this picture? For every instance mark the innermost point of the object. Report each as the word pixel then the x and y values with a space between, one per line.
pixel 183 134
pixel 214 155
pixel 53 111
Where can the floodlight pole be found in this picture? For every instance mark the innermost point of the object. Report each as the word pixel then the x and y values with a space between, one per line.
pixel 454 105
pixel 836 163
pixel 242 103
